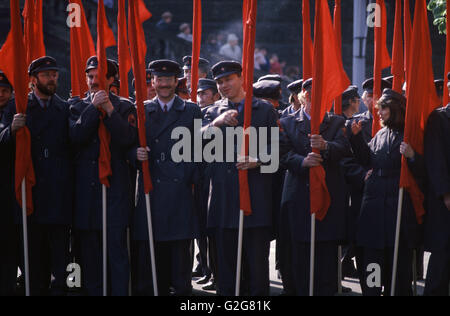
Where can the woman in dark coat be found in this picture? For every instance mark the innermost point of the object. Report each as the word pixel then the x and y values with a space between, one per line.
pixel 377 222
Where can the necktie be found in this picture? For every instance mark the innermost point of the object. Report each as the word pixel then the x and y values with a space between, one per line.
pixel 165 108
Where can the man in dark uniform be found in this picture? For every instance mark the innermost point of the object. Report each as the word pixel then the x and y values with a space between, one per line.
pixel 354 176
pixel 366 118
pixel 272 77
pixel 203 69
pixel 48 227
pixel 437 223
pixel 294 88
pixel 9 246
pixel 297 157
pixel 207 95
pixel 224 210
pixel 269 90
pixel 175 220
pixel 120 122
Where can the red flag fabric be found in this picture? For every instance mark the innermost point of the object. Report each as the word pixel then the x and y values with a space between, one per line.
pixel 307 41
pixel 245 13
pixel 248 63
pixel 33 30
pixel 407 31
pixel 104 159
pixel 144 14
pixel 381 60
pixel 13 62
pixel 108 34
pixel 81 48
pixel 196 45
pixel 123 51
pixel 398 69
pixel 338 30
pixel 136 33
pixel 421 99
pixel 447 56
pixel 329 81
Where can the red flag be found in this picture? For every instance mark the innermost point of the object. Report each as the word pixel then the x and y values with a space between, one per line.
pixel 338 30
pixel 381 59
pixel 33 31
pixel 104 159
pixel 144 14
pixel 407 31
pixel 329 81
pixel 81 48
pixel 307 41
pixel 13 62
pixel 136 35
pixel 447 57
pixel 123 50
pixel 397 69
pixel 196 45
pixel 245 13
pixel 108 34
pixel 248 63
pixel 421 99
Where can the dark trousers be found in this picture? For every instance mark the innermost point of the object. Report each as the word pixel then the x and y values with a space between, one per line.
pixel 91 251
pixel 284 251
pixel 202 256
pixel 385 258
pixel 438 274
pixel 173 268
pixel 325 268
pixel 212 256
pixel 48 247
pixel 9 248
pixel 255 260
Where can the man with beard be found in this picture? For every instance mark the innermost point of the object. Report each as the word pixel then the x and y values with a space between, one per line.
pixel 48 227
pixel 8 230
pixel 119 118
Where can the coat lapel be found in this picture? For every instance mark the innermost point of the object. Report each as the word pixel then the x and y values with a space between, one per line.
pixel 172 116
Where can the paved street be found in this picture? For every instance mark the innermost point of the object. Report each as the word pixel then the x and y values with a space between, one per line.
pixel 276 285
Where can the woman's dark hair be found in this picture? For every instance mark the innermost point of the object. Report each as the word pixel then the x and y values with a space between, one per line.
pixel 397 106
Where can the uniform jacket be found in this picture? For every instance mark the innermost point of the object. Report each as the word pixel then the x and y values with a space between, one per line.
pixel 52 158
pixel 224 207
pixel 296 146
pixel 172 204
pixel 7 195
pixel 84 122
pixel 437 159
pixel 377 223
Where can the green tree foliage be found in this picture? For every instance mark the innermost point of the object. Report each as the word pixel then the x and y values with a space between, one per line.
pixel 438 7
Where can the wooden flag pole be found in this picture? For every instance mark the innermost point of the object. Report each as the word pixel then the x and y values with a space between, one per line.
pixel 313 249
pixel 105 240
pixel 414 263
pixel 25 239
pixel 152 244
pixel 397 240
pixel 239 254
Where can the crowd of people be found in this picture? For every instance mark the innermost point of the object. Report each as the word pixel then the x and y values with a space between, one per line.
pixel 201 201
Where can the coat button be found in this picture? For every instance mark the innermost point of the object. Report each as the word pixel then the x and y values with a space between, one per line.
pixel 158 181
pixel 157 161
pixel 175 180
pixel 94 162
pixel 93 184
pixel 228 171
pixel 157 141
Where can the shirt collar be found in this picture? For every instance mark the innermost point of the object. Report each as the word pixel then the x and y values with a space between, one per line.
pixel 169 104
pixel 41 102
